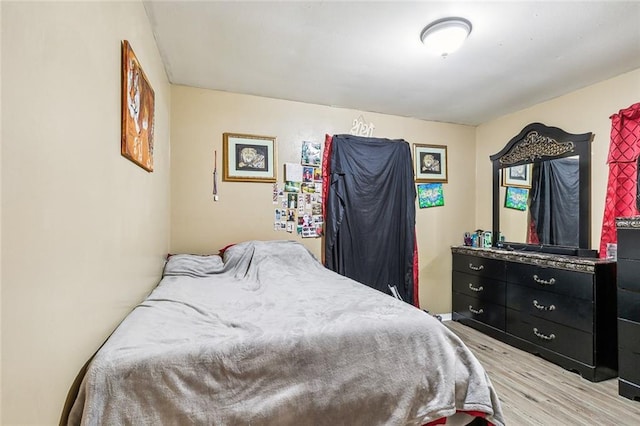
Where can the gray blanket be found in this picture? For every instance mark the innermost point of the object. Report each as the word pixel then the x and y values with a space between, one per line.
pixel 268 336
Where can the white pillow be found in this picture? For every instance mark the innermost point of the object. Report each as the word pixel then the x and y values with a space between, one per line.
pixel 193 265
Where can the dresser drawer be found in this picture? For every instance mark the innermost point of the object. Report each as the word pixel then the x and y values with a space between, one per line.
pixel 577 313
pixel 629 305
pixel 629 366
pixel 570 283
pixel 628 245
pixel 570 342
pixel 479 266
pixel 629 274
pixel 479 310
pixel 628 335
pixel 479 287
pixel 629 351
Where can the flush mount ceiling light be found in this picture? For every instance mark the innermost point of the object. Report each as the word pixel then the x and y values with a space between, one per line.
pixel 445 35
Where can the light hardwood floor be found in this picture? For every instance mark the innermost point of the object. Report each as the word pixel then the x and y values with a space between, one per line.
pixel 537 392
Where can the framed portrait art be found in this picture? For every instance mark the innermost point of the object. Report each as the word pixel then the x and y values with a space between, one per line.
pixel 517 176
pixel 249 158
pixel 138 103
pixel 430 163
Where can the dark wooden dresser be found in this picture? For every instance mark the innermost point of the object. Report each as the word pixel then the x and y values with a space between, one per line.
pixel 562 308
pixel 629 307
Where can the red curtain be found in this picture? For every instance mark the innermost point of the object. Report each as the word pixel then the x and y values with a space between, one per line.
pixel 532 234
pixel 326 172
pixel 623 172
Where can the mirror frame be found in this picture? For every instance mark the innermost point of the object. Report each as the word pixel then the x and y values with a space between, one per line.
pixel 536 143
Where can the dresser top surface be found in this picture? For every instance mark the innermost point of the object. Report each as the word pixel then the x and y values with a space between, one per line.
pixel 632 222
pixel 572 263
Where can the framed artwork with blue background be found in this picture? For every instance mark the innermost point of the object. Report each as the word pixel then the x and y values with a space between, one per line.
pixel 430 195
pixel 516 198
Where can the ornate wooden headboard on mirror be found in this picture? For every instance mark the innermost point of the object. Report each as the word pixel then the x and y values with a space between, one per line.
pixel 555 168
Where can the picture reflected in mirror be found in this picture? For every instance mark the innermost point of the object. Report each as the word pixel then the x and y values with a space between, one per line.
pixel 555 166
pixel 552 204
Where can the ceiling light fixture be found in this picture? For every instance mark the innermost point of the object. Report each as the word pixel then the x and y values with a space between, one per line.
pixel 446 35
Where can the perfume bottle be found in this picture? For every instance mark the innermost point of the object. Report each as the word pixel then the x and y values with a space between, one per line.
pixel 486 238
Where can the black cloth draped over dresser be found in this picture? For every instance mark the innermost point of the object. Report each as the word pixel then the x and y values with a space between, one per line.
pixel 370 212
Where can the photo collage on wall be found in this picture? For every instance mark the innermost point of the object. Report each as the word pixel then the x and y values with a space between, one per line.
pixel 298 199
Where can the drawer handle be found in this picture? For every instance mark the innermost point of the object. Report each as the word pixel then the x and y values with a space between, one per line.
pixel 542 336
pixel 479 311
pixel 542 307
pixel 476 268
pixel 539 280
pixel 476 289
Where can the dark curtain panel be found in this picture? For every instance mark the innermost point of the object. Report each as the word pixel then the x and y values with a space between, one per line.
pixel 554 205
pixel 370 213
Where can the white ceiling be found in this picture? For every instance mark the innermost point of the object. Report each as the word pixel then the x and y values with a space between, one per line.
pixel 367 55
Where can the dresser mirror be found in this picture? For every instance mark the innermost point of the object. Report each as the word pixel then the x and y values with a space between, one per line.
pixel 541 191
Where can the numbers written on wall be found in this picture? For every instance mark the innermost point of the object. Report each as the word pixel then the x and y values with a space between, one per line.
pixel 361 128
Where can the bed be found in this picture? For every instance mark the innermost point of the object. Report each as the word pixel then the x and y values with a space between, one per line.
pixel 266 335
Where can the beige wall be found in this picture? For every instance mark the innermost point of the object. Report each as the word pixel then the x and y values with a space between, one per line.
pixel 245 210
pixel 585 110
pixel 0 220
pixel 84 231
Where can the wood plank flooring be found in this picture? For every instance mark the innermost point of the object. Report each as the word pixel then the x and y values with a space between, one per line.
pixel 537 392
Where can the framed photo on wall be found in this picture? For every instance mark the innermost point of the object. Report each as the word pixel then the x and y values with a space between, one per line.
pixel 518 176
pixel 430 163
pixel 430 195
pixel 516 198
pixel 138 103
pixel 249 158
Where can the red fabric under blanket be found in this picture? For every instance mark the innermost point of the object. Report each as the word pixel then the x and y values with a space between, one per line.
pixel 470 414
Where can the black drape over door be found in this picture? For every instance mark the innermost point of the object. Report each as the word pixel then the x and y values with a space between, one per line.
pixel 370 212
pixel 555 196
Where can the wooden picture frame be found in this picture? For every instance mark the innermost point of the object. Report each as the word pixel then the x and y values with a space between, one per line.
pixel 138 104
pixel 249 158
pixel 517 176
pixel 430 163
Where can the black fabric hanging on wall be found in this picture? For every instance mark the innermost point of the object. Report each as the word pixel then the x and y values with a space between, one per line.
pixel 555 195
pixel 370 213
